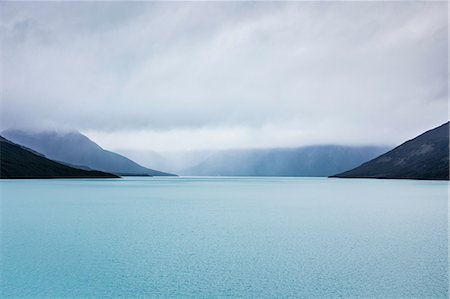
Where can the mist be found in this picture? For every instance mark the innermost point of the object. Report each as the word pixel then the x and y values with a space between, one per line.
pixel 201 76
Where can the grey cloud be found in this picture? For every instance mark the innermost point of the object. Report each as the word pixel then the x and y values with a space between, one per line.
pixel 313 67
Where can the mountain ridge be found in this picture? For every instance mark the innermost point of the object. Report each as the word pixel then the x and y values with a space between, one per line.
pixel 19 162
pixel 424 157
pixel 319 160
pixel 75 149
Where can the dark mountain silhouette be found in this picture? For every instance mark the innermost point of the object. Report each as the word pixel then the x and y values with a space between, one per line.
pixel 73 148
pixel 18 162
pixel 319 161
pixel 424 157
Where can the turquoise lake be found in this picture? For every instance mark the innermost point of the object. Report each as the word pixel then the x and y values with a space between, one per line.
pixel 224 237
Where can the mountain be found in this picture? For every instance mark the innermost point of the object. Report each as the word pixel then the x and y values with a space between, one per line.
pixel 424 157
pixel 18 162
pixel 74 148
pixel 168 161
pixel 322 160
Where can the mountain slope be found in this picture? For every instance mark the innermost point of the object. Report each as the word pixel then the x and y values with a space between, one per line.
pixel 319 161
pixel 17 162
pixel 424 157
pixel 74 148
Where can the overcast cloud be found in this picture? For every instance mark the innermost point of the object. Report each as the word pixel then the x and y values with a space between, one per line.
pixel 195 75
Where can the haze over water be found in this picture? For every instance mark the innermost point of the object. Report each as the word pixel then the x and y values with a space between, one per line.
pixel 224 237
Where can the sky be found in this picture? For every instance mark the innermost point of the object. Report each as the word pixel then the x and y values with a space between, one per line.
pixel 174 76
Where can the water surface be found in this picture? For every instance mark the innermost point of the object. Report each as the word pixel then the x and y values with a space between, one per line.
pixel 224 237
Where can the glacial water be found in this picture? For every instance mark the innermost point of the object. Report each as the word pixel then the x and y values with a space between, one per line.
pixel 224 237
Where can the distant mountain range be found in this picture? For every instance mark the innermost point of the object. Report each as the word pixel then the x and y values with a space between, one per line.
pixel 18 162
pixel 318 161
pixel 168 161
pixel 424 157
pixel 75 149
pixel 29 154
